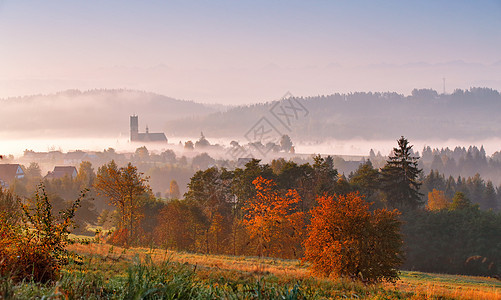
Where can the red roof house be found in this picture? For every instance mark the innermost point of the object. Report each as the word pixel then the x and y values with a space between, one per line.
pixel 61 171
pixel 10 172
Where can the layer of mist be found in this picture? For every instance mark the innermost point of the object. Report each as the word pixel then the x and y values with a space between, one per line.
pixel 95 113
pixel 470 115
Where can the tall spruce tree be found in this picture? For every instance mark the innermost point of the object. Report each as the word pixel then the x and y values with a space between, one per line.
pixel 400 177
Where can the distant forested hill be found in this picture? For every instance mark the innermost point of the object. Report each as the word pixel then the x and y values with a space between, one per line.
pixel 91 113
pixel 472 114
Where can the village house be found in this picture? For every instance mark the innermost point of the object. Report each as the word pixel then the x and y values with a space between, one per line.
pixel 9 173
pixel 62 171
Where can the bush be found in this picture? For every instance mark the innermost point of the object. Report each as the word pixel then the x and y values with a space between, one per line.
pixel 36 250
pixel 9 207
pixel 347 240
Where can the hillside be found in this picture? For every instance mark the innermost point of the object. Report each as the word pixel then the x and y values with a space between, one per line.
pixel 115 273
pixel 471 114
pixel 426 115
pixel 94 113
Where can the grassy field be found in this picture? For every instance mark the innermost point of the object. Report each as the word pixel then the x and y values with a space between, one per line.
pixel 142 273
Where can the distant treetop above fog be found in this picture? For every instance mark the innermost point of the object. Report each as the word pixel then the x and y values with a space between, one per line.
pixel 425 114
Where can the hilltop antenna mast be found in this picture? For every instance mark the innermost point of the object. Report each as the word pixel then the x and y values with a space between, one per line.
pixel 444 84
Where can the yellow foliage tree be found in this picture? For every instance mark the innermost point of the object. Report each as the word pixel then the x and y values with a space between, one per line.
pixel 437 200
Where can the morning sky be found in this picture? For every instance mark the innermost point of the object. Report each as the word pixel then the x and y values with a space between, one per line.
pixel 248 51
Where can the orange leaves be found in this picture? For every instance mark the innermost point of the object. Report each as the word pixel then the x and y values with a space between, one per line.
pixel 346 239
pixel 273 220
pixel 437 200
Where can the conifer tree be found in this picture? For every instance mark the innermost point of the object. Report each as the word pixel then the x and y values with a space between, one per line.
pixel 400 177
pixel 366 179
pixel 490 200
pixel 460 201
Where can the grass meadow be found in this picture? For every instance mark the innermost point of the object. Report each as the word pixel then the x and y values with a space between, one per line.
pixel 110 272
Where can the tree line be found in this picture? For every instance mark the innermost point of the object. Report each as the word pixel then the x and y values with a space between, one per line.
pixel 272 210
pixel 264 209
pixel 461 161
pixel 462 114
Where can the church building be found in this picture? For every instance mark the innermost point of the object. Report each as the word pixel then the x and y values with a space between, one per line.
pixel 148 137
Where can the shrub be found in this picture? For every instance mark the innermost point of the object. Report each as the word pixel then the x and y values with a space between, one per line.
pixel 36 250
pixel 347 240
pixel 9 207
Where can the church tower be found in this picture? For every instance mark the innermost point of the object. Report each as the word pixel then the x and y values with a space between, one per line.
pixel 134 128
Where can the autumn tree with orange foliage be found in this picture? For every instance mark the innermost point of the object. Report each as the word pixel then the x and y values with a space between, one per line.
pixel 346 239
pixel 274 220
pixel 437 200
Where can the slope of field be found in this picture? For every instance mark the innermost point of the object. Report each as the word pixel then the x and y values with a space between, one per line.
pixel 220 269
pixel 109 272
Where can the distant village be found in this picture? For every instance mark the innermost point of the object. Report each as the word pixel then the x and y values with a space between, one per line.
pixel 65 164
pixel 9 172
pixel 175 161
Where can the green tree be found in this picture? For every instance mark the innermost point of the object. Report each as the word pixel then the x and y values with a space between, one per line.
pixel 202 161
pixel 242 185
pixel 142 154
pixel 455 241
pixel 87 213
pixel 211 191
pixel 460 201
pixel 366 180
pixel 86 174
pixel 434 180
pixel 400 177
pixel 325 175
pixel 285 143
pixel 490 198
pixel 33 171
pixel 297 177
pixel 168 156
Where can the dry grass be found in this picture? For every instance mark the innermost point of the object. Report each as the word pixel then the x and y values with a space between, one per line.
pixel 422 285
pixel 432 286
pixel 278 267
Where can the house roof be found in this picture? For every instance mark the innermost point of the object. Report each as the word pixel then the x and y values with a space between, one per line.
pixel 8 172
pixel 61 171
pixel 151 137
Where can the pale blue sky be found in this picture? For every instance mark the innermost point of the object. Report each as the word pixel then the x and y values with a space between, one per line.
pixel 224 51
